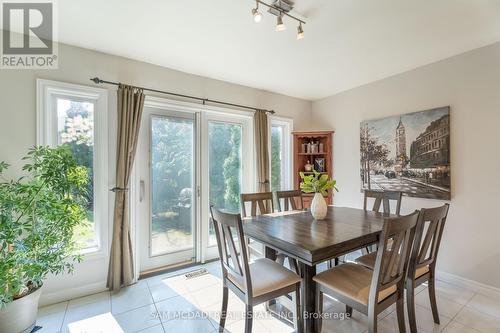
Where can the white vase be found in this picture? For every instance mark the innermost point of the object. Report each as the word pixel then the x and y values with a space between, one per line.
pixel 318 207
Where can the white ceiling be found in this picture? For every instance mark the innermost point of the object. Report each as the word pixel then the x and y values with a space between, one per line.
pixel 348 43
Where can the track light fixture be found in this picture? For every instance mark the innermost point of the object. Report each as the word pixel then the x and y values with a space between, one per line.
pixel 300 31
pixel 257 16
pixel 280 25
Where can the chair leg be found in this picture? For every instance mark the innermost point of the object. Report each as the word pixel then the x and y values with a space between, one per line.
pixel 294 265
pixel 432 297
pixel 410 304
pixel 319 308
pixel 223 312
pixel 400 311
pixel 248 318
pixel 298 326
pixel 348 310
pixel 372 322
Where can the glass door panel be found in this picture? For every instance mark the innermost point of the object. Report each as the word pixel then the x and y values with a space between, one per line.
pixel 225 168
pixel 172 184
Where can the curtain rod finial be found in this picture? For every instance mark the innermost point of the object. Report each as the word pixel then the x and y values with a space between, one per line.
pixel 96 80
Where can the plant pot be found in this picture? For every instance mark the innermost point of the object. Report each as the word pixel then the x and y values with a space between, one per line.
pixel 318 207
pixel 20 315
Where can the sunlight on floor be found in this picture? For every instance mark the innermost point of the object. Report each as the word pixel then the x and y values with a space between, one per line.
pixel 98 324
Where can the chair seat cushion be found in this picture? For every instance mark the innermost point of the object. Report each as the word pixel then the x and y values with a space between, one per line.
pixel 266 276
pixel 352 281
pixel 368 260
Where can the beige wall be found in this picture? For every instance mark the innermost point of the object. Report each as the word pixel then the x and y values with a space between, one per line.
pixel 470 84
pixel 76 65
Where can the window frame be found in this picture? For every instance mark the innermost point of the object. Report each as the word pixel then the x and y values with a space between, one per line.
pixel 287 144
pixel 47 134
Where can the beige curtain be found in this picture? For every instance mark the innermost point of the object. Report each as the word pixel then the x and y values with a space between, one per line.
pixel 130 106
pixel 262 150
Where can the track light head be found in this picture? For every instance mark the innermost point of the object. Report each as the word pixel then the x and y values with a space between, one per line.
pixel 280 26
pixel 257 16
pixel 300 31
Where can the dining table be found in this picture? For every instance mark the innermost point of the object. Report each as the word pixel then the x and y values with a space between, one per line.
pixel 298 235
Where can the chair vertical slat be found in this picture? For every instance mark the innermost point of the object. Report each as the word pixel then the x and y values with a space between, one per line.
pixel 232 249
pixel 287 205
pixel 254 208
pixel 424 249
pixel 376 204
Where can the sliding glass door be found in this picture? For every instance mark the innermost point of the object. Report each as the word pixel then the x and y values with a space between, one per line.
pixel 188 160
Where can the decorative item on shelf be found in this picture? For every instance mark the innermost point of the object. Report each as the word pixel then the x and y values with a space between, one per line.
pixel 319 164
pixel 319 185
pixel 308 150
pixel 321 148
pixel 314 148
pixel 39 215
pixel 304 148
pixel 308 167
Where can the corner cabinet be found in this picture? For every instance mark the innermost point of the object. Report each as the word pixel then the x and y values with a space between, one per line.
pixel 315 149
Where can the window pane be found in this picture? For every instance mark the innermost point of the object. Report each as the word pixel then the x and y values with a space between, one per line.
pixel 172 170
pixel 75 124
pixel 224 146
pixel 276 158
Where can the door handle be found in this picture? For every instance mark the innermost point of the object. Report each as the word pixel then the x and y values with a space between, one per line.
pixel 141 190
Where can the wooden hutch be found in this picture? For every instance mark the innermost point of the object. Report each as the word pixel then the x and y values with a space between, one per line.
pixel 312 147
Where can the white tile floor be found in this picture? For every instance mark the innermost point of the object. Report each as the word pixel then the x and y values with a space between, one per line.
pixel 157 305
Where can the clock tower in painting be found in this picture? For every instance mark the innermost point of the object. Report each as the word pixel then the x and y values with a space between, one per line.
pixel 401 143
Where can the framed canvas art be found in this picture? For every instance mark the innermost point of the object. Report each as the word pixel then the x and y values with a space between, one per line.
pixel 408 153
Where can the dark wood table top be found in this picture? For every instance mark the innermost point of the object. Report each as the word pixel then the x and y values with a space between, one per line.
pixel 298 235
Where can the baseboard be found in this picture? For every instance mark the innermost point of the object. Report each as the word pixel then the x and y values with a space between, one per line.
pixel 71 293
pixel 475 286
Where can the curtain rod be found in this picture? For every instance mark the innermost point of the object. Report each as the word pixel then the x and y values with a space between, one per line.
pixel 203 100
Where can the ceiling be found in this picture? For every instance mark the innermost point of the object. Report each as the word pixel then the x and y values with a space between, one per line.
pixel 348 43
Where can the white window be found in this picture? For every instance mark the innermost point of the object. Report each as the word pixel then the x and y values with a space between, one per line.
pixel 281 157
pixel 76 116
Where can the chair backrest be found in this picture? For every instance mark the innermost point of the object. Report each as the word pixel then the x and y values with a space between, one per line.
pixel 263 201
pixel 393 254
pixel 383 198
pixel 290 199
pixel 228 226
pixel 428 237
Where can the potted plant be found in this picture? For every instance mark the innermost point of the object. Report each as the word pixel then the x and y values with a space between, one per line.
pixel 38 213
pixel 319 184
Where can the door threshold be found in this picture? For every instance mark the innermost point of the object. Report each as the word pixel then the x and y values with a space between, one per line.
pixel 171 268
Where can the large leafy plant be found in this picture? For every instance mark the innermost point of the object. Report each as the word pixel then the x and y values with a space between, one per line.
pixel 38 213
pixel 317 183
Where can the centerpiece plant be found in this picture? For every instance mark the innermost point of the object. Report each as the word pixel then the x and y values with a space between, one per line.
pixel 38 214
pixel 319 184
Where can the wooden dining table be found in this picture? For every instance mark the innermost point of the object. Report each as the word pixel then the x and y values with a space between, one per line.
pixel 296 234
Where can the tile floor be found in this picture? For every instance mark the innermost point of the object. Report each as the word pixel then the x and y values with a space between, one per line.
pixel 171 303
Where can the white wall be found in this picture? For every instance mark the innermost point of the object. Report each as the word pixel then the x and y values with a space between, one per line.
pixel 470 84
pixel 77 65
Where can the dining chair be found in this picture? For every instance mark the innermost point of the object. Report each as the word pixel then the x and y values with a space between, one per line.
pixel 382 198
pixel 290 199
pixel 254 283
pixel 261 201
pixel 372 291
pixel 423 259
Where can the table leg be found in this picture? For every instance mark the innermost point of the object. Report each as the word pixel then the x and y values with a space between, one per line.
pixel 308 298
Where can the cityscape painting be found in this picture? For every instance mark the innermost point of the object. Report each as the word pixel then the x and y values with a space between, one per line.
pixel 408 153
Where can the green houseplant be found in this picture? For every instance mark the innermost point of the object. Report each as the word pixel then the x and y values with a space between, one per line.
pixel 38 214
pixel 319 184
